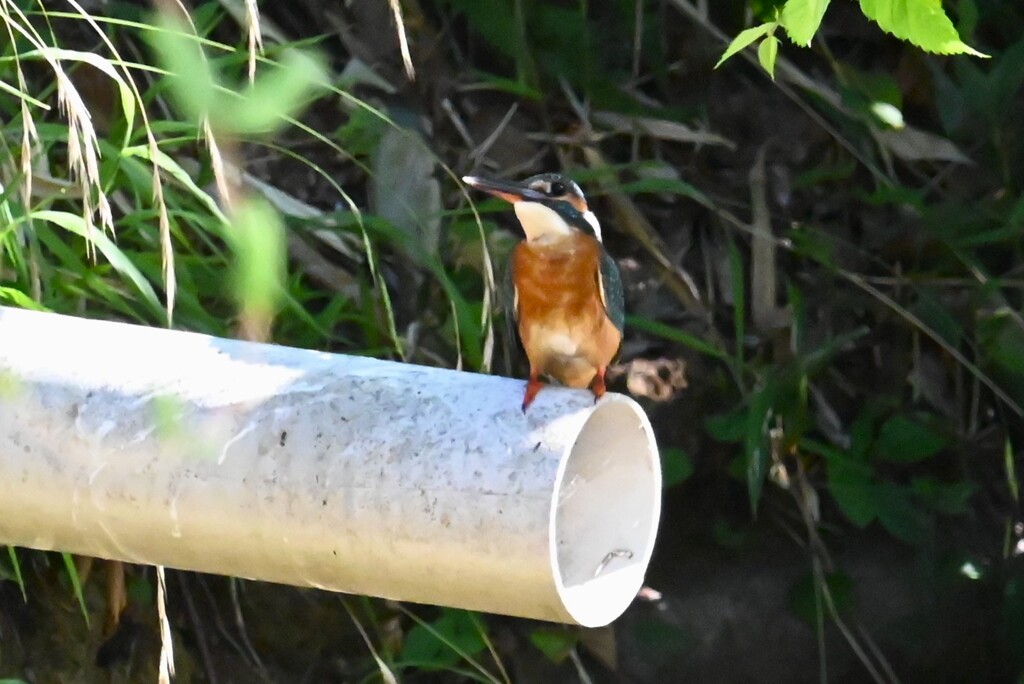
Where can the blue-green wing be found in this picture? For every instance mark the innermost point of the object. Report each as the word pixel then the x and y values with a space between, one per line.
pixel 610 284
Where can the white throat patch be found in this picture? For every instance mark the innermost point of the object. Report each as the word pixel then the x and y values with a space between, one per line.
pixel 539 222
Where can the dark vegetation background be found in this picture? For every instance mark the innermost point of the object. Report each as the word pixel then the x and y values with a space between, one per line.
pixel 824 313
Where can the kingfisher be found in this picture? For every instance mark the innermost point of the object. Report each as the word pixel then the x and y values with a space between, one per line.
pixel 566 293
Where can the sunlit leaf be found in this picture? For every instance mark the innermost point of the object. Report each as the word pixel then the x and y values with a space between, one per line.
pixel 76 583
pixel 20 299
pixel 121 263
pixel 802 19
pixel 767 51
pixel 192 78
pixel 922 22
pixel 257 239
pixel 173 168
pixel 744 39
pixel 277 93
pixel 888 114
pixel 15 572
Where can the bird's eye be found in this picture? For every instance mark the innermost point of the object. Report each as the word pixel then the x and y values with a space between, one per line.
pixel 557 189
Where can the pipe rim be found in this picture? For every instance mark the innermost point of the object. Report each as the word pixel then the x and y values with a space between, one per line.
pixel 605 511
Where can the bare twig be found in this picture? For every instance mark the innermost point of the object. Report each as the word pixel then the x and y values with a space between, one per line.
pixel 166 668
pixel 403 39
pixel 488 142
pixel 385 672
pixel 243 632
pixel 764 310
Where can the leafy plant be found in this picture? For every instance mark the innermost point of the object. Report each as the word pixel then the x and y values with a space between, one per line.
pixel 920 22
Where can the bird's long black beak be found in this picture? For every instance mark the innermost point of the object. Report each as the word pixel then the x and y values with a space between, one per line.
pixel 506 190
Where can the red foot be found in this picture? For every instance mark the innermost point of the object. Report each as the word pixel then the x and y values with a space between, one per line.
pixel 597 386
pixel 532 387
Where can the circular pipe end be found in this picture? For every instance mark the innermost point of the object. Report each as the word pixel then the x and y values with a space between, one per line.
pixel 604 516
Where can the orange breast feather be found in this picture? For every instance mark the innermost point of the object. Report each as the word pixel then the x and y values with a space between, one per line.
pixel 561 317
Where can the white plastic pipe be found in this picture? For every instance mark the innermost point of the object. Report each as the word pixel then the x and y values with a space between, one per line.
pixel 344 473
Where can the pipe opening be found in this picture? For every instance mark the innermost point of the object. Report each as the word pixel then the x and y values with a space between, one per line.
pixel 605 515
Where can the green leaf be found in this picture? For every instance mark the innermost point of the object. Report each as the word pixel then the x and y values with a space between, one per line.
pixel 767 51
pixel 903 440
pixel 20 299
pixel 257 238
pixel 1011 474
pixel 173 169
pixel 275 95
pixel 191 77
pixel 921 22
pixel 672 186
pixel 744 39
pixel 1002 340
pixel 121 263
pixel 948 498
pixel 554 643
pixel 676 467
pixel 675 335
pixel 507 85
pixel 967 17
pixel 76 583
pixel 757 450
pixel 814 244
pixel 853 490
pixel 900 515
pixel 436 646
pixel 728 427
pixel 16 572
pixel 802 19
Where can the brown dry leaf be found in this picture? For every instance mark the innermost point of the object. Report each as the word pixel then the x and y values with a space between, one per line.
pixel 117 597
pixel 912 144
pixel 657 379
pixel 661 129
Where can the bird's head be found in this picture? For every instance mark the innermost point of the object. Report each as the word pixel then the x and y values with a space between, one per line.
pixel 549 206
